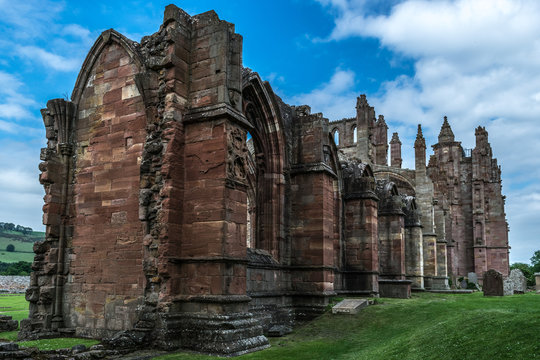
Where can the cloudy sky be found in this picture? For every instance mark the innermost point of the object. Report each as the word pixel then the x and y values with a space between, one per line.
pixel 478 62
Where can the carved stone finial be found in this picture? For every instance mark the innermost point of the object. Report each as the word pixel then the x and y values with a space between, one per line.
pixel 390 202
pixel 446 134
pixel 395 139
pixel 420 142
pixel 361 102
pixel 63 115
pixel 357 178
pixel 381 121
pixel 412 213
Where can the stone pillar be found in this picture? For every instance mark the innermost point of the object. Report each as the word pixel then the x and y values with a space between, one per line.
pixel 391 232
pixel 210 306
pixel 365 117
pixel 537 277
pixel 361 272
pixel 429 247
pixel 313 213
pixel 414 257
pixel 213 251
pixel 46 291
pixel 440 282
pixel 392 282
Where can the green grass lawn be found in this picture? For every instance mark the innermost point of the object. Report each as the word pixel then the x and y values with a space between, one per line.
pixel 16 306
pixel 428 326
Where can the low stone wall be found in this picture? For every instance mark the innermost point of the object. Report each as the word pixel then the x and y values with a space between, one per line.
pixel 14 284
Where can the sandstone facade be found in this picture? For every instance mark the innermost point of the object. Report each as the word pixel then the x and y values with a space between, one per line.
pixel 188 206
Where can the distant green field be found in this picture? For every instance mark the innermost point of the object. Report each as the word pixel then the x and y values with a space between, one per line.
pixel 23 244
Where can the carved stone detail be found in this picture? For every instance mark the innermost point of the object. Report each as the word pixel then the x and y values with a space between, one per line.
pixel 236 154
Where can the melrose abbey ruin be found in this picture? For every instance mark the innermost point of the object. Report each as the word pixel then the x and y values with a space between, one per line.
pixel 187 206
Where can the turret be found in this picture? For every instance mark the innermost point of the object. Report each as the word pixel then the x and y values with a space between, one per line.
pixel 381 142
pixel 446 134
pixel 420 151
pixel 395 151
pixel 365 118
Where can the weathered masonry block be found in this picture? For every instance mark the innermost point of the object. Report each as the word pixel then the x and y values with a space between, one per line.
pixel 187 206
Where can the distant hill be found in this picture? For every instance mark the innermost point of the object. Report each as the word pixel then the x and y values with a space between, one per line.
pixel 16 243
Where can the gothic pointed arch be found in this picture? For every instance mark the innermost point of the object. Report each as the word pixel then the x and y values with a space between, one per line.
pixel 266 193
pixel 105 38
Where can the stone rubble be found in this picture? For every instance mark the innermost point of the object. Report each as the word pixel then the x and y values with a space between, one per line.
pixel 14 284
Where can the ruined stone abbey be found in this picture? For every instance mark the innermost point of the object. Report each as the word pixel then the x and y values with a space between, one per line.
pixel 187 205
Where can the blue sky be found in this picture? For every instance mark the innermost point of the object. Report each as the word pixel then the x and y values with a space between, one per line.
pixel 478 62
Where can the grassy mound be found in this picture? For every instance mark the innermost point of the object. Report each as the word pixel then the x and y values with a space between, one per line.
pixel 428 326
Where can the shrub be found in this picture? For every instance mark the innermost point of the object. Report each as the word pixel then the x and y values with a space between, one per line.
pixel 21 268
pixel 10 248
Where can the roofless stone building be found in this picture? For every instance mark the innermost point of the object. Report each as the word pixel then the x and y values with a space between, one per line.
pixel 166 224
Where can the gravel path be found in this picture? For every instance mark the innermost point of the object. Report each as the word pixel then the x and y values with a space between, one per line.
pixel 14 284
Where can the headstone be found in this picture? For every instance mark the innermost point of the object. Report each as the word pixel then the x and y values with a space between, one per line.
pixel 537 277
pixel 473 278
pixel 519 281
pixel 463 284
pixel 508 287
pixel 493 283
pixel 349 306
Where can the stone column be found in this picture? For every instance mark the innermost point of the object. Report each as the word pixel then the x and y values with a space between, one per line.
pixel 414 260
pixel 46 291
pixel 391 232
pixel 210 306
pixel 392 282
pixel 212 303
pixel 361 272
pixel 429 247
pixel 440 282
pixel 313 212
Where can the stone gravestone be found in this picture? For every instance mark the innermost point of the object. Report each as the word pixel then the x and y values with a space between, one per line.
pixel 493 283
pixel 519 281
pixel 473 278
pixel 508 287
pixel 537 277
pixel 349 306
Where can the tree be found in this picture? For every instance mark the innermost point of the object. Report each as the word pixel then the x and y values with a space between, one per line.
pixel 535 261
pixel 10 248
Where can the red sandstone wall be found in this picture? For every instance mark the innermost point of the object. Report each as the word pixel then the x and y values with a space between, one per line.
pixel 106 278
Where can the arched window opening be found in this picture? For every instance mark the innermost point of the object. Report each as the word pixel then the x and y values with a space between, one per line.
pixel 355 134
pixel 335 133
pixel 251 212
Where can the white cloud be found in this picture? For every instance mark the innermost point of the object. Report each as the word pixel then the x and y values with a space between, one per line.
pixel 30 19
pixel 78 31
pixel 48 59
pixel 336 99
pixel 475 61
pixel 20 190
pixel 13 104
